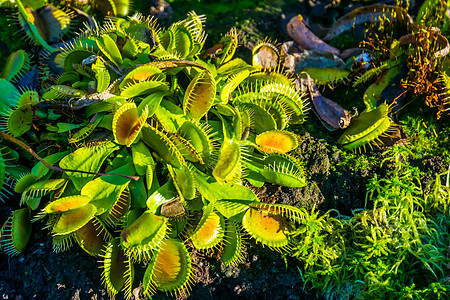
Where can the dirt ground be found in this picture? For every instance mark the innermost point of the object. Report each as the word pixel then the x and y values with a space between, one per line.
pixel 39 273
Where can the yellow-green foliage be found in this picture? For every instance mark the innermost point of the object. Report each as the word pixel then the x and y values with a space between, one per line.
pixel 395 249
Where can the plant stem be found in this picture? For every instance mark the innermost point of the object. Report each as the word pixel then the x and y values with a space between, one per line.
pixel 54 168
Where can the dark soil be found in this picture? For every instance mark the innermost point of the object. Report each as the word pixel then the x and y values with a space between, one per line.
pixel 39 273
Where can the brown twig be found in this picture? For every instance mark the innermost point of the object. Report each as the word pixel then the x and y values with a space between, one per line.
pixel 54 168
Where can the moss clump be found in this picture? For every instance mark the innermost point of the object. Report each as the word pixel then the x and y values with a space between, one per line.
pixel 398 249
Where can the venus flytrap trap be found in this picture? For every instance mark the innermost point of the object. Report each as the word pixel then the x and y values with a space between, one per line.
pixel 368 129
pixel 15 232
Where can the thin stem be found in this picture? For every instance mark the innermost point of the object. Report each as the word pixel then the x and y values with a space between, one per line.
pixel 54 168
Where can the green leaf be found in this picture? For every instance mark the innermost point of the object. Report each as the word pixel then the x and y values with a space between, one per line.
pixel 17 63
pixel 152 101
pixel 103 193
pixel 16 232
pixel 109 48
pixel 40 170
pixel 88 159
pixel 138 192
pixel 102 75
pixel 161 143
pixel 142 158
pixel 230 199
pixel 8 98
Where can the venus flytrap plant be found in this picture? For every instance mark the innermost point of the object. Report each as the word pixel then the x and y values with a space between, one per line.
pixel 16 113
pixel 16 103
pixel 157 106
pixel 15 232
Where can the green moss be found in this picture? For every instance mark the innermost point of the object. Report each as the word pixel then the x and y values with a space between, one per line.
pixel 397 249
pixel 358 161
pixel 427 136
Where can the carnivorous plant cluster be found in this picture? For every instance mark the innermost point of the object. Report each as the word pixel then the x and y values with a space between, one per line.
pixel 153 146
